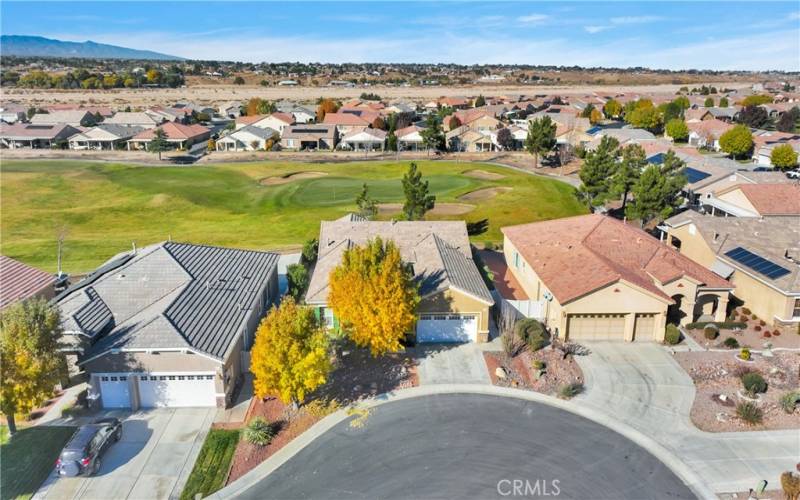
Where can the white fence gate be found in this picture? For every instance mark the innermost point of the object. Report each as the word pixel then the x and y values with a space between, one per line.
pixel 523 308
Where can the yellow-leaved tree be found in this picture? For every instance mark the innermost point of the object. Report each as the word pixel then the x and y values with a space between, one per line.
pixel 373 295
pixel 290 356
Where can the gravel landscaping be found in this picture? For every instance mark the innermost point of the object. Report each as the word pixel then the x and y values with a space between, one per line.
pixel 521 374
pixel 754 335
pixel 717 378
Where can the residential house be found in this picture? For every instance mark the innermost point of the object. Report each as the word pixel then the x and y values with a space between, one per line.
pixel 168 325
pixel 409 138
pixel 170 114
pixel 310 137
pixel 761 257
pixel 706 133
pixel 472 141
pixel 368 139
pixel 28 135
pixel 247 138
pixel 12 113
pixel 103 137
pixel 231 109
pixel 134 119
pixel 274 121
pixel 455 303
pixel 103 111
pixel 727 115
pixel 347 122
pixel 763 155
pixel 178 136
pixel 20 282
pixel 754 200
pixel 74 118
pixel 597 278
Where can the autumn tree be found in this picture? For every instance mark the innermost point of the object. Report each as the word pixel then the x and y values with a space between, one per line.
pixel 367 206
pixel 633 161
pixel 158 144
pixel 418 198
pixel 505 139
pixel 259 106
pixel 788 120
pixel 31 362
pixel 595 116
pixel 783 157
pixel 374 296
pixel 598 167
pixel 612 109
pixel 541 137
pixel 682 102
pixel 737 142
pixel 657 193
pixel 587 111
pixel 453 122
pixel 324 107
pixel 289 358
pixel 677 130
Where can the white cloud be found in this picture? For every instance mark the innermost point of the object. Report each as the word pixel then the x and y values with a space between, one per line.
pixel 763 51
pixel 533 18
pixel 635 19
pixel 596 29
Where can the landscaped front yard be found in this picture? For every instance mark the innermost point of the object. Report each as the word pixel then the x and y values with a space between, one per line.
pixel 719 381
pixel 211 468
pixel 746 330
pixel 28 458
pixel 263 205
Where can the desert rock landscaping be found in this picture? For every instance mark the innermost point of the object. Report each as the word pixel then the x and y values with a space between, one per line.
pixel 746 330
pixel 720 377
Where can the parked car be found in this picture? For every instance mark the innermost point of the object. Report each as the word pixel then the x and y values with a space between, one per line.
pixel 81 455
pixel 763 169
pixel 793 174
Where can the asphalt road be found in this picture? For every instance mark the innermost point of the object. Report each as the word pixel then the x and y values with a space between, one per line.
pixel 471 446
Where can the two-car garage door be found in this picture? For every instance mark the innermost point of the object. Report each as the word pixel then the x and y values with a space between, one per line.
pixel 447 328
pixel 596 327
pixel 158 390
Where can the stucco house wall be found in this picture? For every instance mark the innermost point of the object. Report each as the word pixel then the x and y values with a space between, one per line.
pixel 457 302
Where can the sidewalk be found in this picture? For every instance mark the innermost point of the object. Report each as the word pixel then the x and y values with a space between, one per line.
pixel 641 386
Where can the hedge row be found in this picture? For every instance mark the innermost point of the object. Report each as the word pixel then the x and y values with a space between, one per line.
pixel 728 325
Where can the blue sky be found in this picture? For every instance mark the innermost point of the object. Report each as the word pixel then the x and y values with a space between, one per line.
pixel 714 35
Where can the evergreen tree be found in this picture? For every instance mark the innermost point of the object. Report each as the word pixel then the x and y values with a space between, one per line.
pixel 541 137
pixel 657 193
pixel 432 135
pixel 418 199
pixel 634 160
pixel 367 207
pixel 158 143
pixel 598 167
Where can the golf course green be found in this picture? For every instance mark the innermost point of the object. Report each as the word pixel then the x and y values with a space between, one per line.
pixel 104 207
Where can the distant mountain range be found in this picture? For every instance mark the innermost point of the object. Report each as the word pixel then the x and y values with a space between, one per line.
pixel 21 45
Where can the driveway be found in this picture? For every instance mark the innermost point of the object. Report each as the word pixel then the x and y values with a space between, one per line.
pixel 470 446
pixel 152 460
pixel 642 386
pixel 451 364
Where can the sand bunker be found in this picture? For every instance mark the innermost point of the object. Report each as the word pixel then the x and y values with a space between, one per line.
pixel 159 200
pixel 439 209
pixel 285 179
pixel 484 175
pixel 484 194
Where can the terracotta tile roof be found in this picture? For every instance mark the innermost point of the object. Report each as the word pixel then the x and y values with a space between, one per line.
pixel 19 281
pixel 249 120
pixel 174 131
pixel 577 255
pixel 287 118
pixel 772 199
pixel 714 127
pixel 344 119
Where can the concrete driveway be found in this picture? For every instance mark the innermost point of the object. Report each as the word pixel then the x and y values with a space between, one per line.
pixel 451 364
pixel 470 446
pixel 152 460
pixel 643 386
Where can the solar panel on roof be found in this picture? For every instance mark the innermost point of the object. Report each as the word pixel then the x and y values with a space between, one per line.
pixel 693 175
pixel 757 263
pixel 593 130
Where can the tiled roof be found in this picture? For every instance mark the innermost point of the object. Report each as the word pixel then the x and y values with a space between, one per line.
pixel 577 255
pixel 29 131
pixel 773 199
pixel 169 295
pixel 438 250
pixel 344 119
pixel 19 281
pixel 174 131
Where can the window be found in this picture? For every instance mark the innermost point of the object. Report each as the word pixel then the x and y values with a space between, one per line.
pixel 516 259
pixel 181 377
pixel 796 310
pixel 440 317
pixel 171 377
pixel 162 377
pixel 123 379
pixel 190 377
pixel 113 379
pixel 104 379
pixel 327 316
pixel 209 377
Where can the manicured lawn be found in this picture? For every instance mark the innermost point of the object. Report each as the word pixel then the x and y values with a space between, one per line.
pixel 107 206
pixel 211 468
pixel 28 458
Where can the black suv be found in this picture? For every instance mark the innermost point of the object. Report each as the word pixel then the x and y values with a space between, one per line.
pixel 82 454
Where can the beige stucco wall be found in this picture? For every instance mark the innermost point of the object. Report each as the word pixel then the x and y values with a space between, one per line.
pixel 693 246
pixel 618 298
pixel 736 197
pixel 457 302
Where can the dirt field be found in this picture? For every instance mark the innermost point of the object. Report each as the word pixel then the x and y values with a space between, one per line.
pixel 217 94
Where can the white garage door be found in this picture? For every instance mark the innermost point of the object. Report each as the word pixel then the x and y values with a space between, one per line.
pixel 177 389
pixel 114 390
pixel 447 328
pixel 596 327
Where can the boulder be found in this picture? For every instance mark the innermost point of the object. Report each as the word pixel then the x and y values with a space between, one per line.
pixel 500 372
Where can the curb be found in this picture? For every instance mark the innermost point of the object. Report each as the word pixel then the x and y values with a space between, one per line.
pixel 677 466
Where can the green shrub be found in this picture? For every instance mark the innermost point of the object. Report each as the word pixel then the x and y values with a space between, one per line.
pixel 754 383
pixel 672 335
pixel 746 311
pixel 569 391
pixel 538 364
pixel 749 412
pixel 532 333
pixel 710 332
pixel 727 325
pixel 731 343
pixel 488 245
pixel 789 401
pixel 259 432
pixel 744 354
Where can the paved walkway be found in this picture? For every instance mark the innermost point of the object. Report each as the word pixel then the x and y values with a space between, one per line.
pixel 53 414
pixel 152 460
pixel 451 364
pixel 642 386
